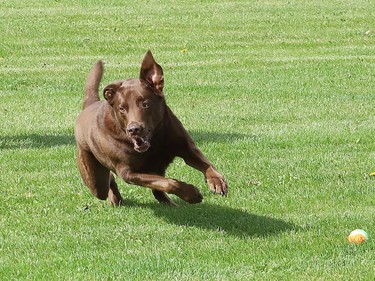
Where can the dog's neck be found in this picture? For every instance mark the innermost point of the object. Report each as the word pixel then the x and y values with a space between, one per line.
pixel 161 129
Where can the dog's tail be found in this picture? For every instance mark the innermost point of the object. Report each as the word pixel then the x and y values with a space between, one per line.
pixel 92 84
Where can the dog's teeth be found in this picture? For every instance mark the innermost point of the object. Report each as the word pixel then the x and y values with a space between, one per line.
pixel 145 141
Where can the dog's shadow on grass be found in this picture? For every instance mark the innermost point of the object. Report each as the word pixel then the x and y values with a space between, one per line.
pixel 222 219
pixel 28 141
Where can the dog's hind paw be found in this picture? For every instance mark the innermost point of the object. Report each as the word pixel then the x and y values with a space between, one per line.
pixel 163 198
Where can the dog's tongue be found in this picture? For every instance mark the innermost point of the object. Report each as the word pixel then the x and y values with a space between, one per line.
pixel 140 144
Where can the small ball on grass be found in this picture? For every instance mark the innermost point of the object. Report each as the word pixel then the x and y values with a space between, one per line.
pixel 358 236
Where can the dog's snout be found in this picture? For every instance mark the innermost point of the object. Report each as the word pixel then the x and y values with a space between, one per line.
pixel 134 128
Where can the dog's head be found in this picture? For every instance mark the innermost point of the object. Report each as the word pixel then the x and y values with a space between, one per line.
pixel 138 104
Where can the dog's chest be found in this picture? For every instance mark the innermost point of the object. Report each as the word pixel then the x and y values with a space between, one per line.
pixel 155 160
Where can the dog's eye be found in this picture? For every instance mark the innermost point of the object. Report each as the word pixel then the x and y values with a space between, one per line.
pixel 145 104
pixel 122 109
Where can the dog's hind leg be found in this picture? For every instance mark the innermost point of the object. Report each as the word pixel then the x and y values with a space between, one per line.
pixel 162 197
pixel 97 177
pixel 114 194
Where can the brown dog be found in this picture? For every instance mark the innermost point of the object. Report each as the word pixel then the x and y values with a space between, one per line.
pixel 134 134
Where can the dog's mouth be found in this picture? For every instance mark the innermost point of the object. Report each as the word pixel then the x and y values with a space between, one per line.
pixel 141 144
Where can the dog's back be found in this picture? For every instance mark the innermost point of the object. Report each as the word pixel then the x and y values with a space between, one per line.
pixel 92 85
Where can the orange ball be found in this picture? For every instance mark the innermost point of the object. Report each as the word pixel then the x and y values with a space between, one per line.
pixel 358 236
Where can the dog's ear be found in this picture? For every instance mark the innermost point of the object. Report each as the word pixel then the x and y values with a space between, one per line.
pixel 109 92
pixel 152 73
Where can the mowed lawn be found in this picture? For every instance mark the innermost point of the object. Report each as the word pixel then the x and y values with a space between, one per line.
pixel 278 94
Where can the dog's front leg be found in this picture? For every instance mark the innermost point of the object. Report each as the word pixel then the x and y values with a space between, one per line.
pixel 186 192
pixel 196 159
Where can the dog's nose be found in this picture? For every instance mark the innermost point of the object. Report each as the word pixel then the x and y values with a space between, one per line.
pixel 134 128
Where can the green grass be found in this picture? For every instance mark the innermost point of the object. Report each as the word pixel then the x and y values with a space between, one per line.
pixel 278 94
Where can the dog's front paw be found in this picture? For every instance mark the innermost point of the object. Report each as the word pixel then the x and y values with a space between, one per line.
pixel 216 181
pixel 217 184
pixel 188 193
